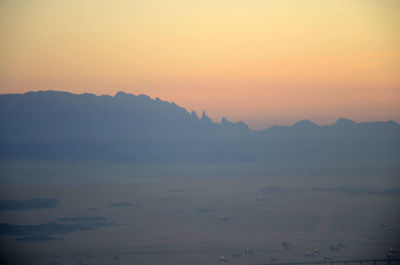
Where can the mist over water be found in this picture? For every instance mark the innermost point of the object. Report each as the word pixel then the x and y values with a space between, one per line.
pixel 190 217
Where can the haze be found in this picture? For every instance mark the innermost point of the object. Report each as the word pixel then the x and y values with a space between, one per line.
pixel 263 62
pixel 199 132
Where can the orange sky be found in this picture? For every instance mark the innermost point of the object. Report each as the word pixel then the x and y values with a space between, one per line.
pixel 261 61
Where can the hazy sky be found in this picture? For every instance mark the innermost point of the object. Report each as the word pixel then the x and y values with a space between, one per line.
pixel 261 61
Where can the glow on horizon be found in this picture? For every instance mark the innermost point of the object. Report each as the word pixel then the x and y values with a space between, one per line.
pixel 263 62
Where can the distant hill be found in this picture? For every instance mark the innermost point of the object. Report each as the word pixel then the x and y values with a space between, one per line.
pixel 61 125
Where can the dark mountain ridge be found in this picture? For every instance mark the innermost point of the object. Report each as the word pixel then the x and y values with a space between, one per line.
pixel 51 124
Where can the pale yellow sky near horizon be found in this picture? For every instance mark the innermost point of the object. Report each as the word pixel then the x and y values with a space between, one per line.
pixel 263 62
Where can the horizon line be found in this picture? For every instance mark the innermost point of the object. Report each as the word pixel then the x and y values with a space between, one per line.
pixel 339 118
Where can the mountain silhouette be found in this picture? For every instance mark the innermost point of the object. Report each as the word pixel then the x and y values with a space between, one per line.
pixel 55 125
pixel 304 124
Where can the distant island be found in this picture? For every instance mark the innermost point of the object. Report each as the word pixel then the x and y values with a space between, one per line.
pixel 30 204
pixel 45 232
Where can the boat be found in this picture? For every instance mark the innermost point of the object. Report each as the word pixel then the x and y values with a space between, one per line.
pixel 222 259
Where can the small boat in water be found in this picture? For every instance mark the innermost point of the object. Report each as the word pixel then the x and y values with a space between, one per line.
pixel 248 252
pixel 222 259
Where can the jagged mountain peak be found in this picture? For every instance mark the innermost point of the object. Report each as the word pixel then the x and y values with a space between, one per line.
pixel 205 118
pixel 225 121
pixel 194 115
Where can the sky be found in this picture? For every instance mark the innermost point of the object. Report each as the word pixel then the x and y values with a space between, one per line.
pixel 260 61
